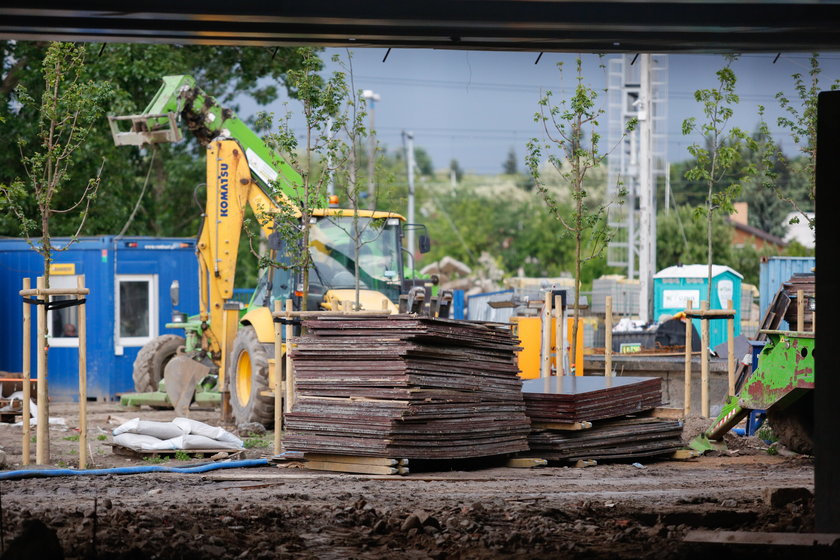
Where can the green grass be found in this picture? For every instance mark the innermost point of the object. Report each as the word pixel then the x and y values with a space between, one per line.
pixel 254 441
pixel 766 433
pixel 72 438
pixel 182 456
pixel 101 437
pixel 155 460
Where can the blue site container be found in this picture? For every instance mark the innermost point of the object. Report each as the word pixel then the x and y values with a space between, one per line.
pixel 775 271
pixel 674 286
pixel 128 305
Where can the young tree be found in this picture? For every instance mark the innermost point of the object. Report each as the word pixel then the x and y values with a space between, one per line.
pixel 800 120
pixel 67 111
pixel 360 232
pixel 719 153
pixel 314 160
pixel 571 128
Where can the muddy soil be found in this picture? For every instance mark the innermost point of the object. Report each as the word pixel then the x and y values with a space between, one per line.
pixel 608 511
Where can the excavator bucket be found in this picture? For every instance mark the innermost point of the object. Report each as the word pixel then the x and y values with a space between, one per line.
pixel 181 376
pixel 785 374
pixel 145 129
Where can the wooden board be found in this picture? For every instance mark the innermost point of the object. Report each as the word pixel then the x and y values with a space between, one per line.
pixel 571 426
pixel 763 538
pixel 354 468
pixel 375 461
pixel 525 463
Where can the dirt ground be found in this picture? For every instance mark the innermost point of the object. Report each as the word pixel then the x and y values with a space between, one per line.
pixel 608 511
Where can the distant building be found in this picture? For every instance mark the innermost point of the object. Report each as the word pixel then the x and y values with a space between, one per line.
pixel 800 232
pixel 744 234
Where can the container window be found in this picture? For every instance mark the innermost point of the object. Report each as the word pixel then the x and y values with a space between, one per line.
pixel 63 323
pixel 136 300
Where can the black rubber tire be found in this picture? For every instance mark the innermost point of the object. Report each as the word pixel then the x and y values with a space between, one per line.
pixel 253 406
pixel 152 358
pixel 794 426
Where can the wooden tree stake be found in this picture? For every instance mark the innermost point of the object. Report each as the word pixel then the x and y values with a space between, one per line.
pixel 545 349
pixel 558 335
pixel 278 378
pixel 290 370
pixel 27 375
pixel 608 326
pixel 82 333
pixel 42 445
pixel 704 362
pixel 689 333
pixel 730 334
pixel 800 310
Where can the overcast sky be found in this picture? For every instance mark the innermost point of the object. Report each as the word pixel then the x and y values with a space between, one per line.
pixel 474 106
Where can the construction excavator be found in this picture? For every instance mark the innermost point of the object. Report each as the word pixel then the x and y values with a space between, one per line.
pixel 225 342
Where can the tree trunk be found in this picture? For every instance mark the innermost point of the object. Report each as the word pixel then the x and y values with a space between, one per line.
pixel 709 243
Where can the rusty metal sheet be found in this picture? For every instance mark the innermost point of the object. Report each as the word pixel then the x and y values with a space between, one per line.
pixel 627 438
pixel 409 387
pixel 575 399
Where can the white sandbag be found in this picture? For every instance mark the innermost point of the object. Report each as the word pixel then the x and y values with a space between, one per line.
pixel 126 427
pixel 142 442
pixel 194 427
pixel 200 442
pixel 160 430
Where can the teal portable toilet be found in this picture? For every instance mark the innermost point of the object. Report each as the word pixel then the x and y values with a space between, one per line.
pixel 675 286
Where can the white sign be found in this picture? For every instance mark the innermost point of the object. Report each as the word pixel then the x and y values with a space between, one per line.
pixel 725 290
pixel 678 299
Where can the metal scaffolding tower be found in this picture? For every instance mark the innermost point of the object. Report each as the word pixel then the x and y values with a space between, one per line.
pixel 637 88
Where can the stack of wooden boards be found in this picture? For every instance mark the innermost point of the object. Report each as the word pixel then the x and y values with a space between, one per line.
pixel 586 418
pixel 805 281
pixel 406 387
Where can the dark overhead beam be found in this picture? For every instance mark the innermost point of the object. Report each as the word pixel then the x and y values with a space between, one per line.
pixel 599 26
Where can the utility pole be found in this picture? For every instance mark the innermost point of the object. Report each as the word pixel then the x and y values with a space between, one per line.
pixel 372 98
pixel 408 143
pixel 647 215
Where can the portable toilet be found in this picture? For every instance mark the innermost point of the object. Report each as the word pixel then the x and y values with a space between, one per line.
pixel 675 286
pixel 128 305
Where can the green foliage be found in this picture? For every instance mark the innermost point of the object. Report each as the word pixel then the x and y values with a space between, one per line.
pixel 765 432
pixel 65 113
pixel 800 119
pixel 424 162
pixel 719 154
pixel 254 441
pixel 182 456
pixel 72 438
pixel 155 460
pixel 687 243
pixel 133 72
pixel 572 147
pixel 101 437
pixel 315 160
pixel 455 168
pixel 510 165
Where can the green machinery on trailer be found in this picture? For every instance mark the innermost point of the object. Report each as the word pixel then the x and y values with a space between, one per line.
pixel 783 385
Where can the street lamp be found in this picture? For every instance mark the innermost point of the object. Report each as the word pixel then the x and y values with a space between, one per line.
pixel 372 98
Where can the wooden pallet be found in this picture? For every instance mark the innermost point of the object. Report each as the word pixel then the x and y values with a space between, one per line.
pixel 170 453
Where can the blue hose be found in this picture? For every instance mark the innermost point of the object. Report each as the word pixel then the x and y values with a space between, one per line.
pixel 37 473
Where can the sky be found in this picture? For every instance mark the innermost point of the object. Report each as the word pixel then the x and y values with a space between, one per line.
pixel 475 106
